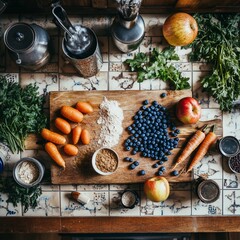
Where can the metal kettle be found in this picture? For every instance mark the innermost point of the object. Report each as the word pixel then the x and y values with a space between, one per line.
pixel 28 45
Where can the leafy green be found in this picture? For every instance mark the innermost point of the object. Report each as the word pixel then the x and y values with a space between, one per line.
pixel 16 194
pixel 21 113
pixel 218 43
pixel 156 65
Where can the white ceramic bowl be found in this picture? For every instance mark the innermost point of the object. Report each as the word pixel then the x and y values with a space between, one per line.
pixel 34 163
pixel 95 159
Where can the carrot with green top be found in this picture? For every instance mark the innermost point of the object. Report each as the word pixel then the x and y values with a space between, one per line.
pixel 192 144
pixel 203 149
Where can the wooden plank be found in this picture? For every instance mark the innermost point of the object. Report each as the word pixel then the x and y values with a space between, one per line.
pixel 79 170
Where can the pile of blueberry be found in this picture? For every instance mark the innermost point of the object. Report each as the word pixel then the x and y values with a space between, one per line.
pixel 152 134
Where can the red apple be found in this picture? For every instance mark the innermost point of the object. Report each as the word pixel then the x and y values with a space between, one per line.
pixel 188 110
pixel 157 189
pixel 180 29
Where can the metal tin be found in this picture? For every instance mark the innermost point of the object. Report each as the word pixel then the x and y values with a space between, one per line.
pixel 129 199
pixel 88 64
pixel 229 146
pixel 234 163
pixel 38 165
pixel 208 191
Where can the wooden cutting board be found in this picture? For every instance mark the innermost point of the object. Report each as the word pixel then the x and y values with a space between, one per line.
pixel 79 169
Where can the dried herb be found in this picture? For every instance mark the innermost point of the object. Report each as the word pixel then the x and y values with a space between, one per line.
pixel 21 113
pixel 157 65
pixel 17 194
pixel 218 43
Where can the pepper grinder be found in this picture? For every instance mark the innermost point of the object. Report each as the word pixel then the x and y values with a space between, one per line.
pixel 128 28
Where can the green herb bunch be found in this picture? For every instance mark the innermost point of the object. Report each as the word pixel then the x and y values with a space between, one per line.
pixel 157 65
pixel 218 43
pixel 17 194
pixel 21 113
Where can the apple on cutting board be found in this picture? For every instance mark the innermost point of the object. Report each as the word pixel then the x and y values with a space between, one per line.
pixel 188 110
pixel 157 189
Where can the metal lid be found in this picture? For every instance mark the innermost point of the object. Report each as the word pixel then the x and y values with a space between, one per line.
pixel 208 191
pixel 19 37
pixel 229 146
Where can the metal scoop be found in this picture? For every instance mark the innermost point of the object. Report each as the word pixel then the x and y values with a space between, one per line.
pixel 77 38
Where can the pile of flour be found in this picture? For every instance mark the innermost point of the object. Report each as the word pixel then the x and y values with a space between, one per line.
pixel 111 117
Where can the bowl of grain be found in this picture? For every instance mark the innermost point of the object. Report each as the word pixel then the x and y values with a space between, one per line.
pixel 28 172
pixel 105 161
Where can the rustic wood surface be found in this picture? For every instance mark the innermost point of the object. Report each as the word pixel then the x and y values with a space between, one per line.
pixel 119 224
pixel 79 169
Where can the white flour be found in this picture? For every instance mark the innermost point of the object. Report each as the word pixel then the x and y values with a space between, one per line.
pixel 111 117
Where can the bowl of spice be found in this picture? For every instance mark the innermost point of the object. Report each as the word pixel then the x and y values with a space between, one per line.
pixel 234 163
pixel 28 172
pixel 105 161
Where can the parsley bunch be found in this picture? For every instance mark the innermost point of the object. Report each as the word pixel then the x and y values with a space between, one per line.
pixel 21 113
pixel 16 194
pixel 218 43
pixel 157 65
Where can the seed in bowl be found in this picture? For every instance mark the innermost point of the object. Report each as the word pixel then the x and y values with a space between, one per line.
pixel 234 163
pixel 106 160
pixel 28 172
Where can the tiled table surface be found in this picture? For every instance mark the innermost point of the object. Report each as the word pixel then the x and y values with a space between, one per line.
pixel 58 75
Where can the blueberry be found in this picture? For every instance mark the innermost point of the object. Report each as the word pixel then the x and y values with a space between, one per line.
pixel 155 165
pixel 132 166
pixel 134 152
pixel 162 168
pixel 145 102
pixel 175 173
pixel 136 163
pixel 177 131
pixel 127 148
pixel 163 95
pixel 160 162
pixel 142 172
pixel 160 173
pixel 127 159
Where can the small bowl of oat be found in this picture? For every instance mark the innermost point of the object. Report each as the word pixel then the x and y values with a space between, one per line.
pixel 105 161
pixel 28 172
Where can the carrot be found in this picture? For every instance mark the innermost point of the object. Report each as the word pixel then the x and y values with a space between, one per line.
pixel 63 125
pixel 53 136
pixel 53 152
pixel 192 144
pixel 76 133
pixel 203 149
pixel 84 107
pixel 85 136
pixel 70 149
pixel 71 114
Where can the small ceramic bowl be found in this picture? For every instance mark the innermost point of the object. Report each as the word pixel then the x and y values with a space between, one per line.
pixel 28 172
pixel 234 163
pixel 105 161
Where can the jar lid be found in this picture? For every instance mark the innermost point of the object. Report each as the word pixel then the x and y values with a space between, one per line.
pixel 208 191
pixel 19 37
pixel 229 146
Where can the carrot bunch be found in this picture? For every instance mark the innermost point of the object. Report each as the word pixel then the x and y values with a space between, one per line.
pixel 63 124
pixel 200 141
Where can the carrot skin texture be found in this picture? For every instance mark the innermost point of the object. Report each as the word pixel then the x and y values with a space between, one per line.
pixel 52 136
pixel 71 114
pixel 70 150
pixel 84 107
pixel 203 149
pixel 53 152
pixel 62 125
pixel 76 133
pixel 192 144
pixel 85 136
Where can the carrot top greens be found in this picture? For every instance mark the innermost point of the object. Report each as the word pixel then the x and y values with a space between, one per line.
pixel 21 113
